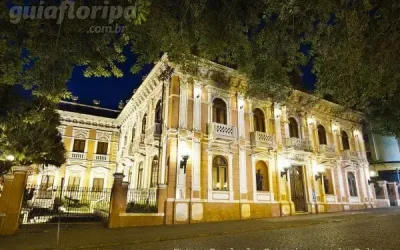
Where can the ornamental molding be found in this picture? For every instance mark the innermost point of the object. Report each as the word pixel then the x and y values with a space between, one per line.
pixel 219 150
pixel 310 103
pixel 103 135
pixel 76 119
pixel 80 133
pixel 61 129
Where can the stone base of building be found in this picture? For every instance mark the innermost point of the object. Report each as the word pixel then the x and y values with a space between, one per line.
pixel 382 203
pixel 135 220
pixel 180 212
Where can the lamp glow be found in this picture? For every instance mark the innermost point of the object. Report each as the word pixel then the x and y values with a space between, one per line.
pixel 10 158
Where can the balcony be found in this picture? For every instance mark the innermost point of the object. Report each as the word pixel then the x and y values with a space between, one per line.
pixel 349 155
pixel 77 155
pixel 327 150
pixel 298 144
pixel 98 157
pixel 222 131
pixel 262 140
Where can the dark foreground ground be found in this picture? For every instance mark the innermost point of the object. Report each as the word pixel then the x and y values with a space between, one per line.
pixel 369 229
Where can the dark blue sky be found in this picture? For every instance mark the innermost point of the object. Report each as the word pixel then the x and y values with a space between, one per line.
pixel 109 91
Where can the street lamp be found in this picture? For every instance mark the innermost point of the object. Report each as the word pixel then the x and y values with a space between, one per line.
pixel 10 158
pixel 285 167
pixel 184 157
pixel 319 173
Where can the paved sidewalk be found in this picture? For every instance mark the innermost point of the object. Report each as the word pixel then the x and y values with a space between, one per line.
pixel 95 236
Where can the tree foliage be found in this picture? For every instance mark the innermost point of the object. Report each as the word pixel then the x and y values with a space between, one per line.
pixel 28 131
pixel 354 46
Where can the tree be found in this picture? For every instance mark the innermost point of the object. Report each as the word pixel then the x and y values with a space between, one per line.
pixel 28 131
pixel 353 47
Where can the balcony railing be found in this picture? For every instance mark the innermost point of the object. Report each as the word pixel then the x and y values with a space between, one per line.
pixel 77 155
pixel 298 144
pixel 327 150
pixel 222 131
pixel 262 140
pixel 99 157
pixel 349 155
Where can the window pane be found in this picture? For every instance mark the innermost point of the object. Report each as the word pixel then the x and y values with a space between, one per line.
pixel 98 184
pixel 102 148
pixel 79 145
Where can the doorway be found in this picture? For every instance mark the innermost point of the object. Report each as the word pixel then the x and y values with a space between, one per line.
pixel 297 188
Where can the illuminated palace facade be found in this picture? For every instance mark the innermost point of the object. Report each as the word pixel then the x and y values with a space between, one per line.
pixel 225 156
pixel 219 154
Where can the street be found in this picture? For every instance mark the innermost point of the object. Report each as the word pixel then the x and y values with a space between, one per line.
pixel 367 229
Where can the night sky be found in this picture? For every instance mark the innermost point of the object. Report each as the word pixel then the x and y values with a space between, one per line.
pixel 109 91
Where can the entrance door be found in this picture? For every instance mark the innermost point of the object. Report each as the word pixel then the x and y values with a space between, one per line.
pixel 297 188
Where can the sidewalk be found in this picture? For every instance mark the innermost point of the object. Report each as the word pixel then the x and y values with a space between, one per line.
pixel 95 236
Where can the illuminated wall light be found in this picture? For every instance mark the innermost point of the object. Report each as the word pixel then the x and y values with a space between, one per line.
pixel 310 120
pixel 197 92
pixel 278 113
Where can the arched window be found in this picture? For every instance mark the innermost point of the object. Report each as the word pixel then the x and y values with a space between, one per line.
pixel 345 140
pixel 321 135
pixel 293 128
pixel 262 183
pixel 144 121
pixel 140 176
pixel 351 179
pixel 259 120
pixel 154 172
pixel 220 173
pixel 158 113
pixel 219 111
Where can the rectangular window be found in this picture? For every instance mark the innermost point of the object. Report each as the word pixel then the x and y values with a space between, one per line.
pixel 98 184
pixel 74 182
pixel 47 181
pixel 102 148
pixel 45 189
pixel 79 145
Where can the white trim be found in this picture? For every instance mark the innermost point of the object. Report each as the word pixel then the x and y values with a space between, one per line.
pixel 197 91
pixel 183 103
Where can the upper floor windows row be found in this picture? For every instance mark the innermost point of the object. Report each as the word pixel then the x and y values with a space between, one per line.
pixel 80 147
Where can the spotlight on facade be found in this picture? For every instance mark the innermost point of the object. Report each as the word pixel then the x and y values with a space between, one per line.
pixel 184 158
pixel 284 171
pixel 319 171
pixel 310 120
pixel 318 176
pixel 10 158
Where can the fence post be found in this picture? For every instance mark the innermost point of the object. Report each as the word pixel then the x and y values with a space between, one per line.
pixel 118 200
pixel 15 193
pixel 383 185
pixel 394 193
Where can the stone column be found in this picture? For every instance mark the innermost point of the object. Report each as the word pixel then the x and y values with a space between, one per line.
pixel 383 185
pixel 393 190
pixel 14 190
pixel 118 200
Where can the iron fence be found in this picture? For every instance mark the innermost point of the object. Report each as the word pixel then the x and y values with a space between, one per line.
pixel 142 200
pixel 50 204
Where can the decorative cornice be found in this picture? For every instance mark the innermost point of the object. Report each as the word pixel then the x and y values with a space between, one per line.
pixel 72 118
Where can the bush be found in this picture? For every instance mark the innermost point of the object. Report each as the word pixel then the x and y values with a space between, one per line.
pixel 133 207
